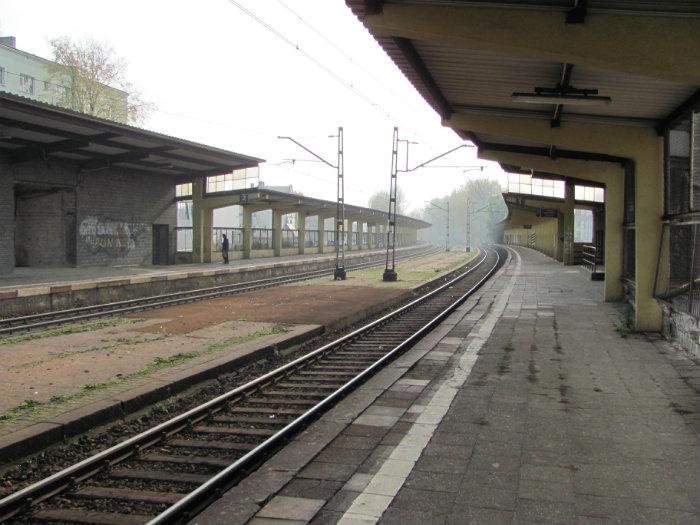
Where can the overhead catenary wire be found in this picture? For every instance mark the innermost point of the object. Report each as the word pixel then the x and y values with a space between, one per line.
pixel 317 62
pixel 340 50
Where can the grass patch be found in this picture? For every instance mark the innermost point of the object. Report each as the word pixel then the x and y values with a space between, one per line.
pixel 29 407
pixel 240 339
pixel 70 329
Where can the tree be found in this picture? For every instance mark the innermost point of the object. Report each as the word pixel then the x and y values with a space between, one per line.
pixel 93 80
pixel 487 208
pixel 379 200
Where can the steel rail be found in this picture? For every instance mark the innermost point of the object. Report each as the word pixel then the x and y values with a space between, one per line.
pixel 60 317
pixel 184 507
pixel 52 485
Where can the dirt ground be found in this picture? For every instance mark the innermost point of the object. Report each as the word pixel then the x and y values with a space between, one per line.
pixel 70 369
pixel 412 273
pixel 285 304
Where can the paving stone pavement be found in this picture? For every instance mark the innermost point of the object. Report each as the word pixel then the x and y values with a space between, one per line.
pixel 562 417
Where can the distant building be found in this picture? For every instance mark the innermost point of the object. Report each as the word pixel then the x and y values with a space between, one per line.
pixel 37 78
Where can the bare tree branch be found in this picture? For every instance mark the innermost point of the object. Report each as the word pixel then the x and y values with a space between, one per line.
pixel 94 81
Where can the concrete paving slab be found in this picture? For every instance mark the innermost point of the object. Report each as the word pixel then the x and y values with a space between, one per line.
pixel 291 508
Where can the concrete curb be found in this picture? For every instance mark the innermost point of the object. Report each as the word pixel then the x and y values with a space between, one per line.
pixel 38 298
pixel 32 439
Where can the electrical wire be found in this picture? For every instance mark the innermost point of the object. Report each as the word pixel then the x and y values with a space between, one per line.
pixel 347 56
pixel 317 62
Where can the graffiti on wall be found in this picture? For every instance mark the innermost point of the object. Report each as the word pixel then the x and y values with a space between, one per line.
pixel 104 235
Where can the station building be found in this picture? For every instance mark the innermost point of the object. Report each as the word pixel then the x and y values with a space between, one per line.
pixel 80 191
pixel 602 91
pixel 77 190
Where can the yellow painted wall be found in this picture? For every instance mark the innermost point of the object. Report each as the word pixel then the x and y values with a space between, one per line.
pixel 546 231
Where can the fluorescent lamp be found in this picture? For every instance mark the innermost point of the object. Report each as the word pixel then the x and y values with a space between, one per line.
pixel 569 100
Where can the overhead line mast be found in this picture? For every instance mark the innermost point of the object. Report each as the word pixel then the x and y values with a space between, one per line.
pixel 339 272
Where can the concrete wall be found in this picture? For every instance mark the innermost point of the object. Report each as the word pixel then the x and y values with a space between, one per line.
pixel 7 207
pixel 96 218
pixel 545 231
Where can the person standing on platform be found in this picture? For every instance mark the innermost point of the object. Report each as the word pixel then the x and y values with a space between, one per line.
pixel 224 249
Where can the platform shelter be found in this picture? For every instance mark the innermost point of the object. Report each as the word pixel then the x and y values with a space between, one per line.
pixel 312 229
pixel 77 190
pixel 603 91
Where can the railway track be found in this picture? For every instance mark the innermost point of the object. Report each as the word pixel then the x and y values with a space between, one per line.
pixel 45 320
pixel 168 473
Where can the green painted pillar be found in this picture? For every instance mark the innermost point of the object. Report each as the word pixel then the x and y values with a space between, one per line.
pixel 197 219
pixel 301 226
pixel 348 228
pixel 247 231
pixel 277 232
pixel 321 233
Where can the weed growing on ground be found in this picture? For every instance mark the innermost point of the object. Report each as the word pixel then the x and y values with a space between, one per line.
pixel 25 407
pixel 70 329
pixel 29 406
pixel 239 339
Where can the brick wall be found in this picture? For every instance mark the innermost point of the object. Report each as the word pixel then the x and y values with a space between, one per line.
pixel 96 218
pixel 115 213
pixel 45 228
pixel 7 251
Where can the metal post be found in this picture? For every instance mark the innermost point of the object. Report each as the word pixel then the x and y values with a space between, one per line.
pixel 691 283
pixel 447 238
pixel 339 272
pixel 390 269
pixel 469 225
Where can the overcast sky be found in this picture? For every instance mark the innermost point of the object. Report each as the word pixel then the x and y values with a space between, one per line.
pixel 219 77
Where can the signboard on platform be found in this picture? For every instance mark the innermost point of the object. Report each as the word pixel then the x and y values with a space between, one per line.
pixel 527 226
pixel 548 212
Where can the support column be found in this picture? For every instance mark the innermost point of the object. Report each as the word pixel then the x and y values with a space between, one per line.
pixel 371 244
pixel 321 233
pixel 301 226
pixel 201 223
pixel 567 233
pixel 247 231
pixel 649 208
pixel 277 232
pixel 348 229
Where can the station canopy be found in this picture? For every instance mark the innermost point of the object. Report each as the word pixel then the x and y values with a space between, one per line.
pixel 264 199
pixel 32 130
pixel 598 61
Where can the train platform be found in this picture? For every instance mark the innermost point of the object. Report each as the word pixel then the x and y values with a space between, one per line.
pixel 531 403
pixel 30 277
pixel 64 381
pixel 36 289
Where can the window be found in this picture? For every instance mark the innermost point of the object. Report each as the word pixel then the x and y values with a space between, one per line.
pixel 589 193
pixel 26 84
pixel 529 185
pixel 183 190
pixel 2 76
pixel 583 225
pixel 678 164
pixel 184 214
pixel 237 180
